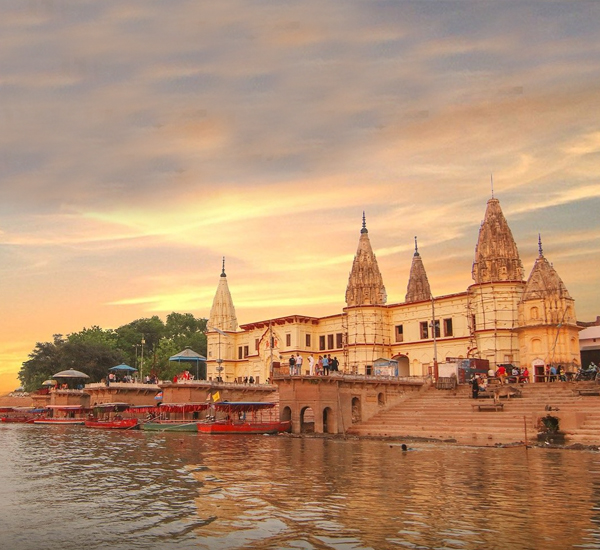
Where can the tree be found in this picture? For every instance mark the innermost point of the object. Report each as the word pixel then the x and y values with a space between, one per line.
pixel 95 350
pixel 44 361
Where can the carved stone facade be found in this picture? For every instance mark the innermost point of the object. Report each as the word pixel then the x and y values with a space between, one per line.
pixel 418 285
pixel 490 320
pixel 496 254
pixel 548 331
pixel 365 284
pixel 222 313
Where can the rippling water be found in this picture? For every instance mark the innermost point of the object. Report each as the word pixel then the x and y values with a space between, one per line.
pixel 67 488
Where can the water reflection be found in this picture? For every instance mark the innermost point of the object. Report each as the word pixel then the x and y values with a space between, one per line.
pixel 71 488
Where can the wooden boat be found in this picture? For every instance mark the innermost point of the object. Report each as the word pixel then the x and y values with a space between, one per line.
pixel 21 415
pixel 59 421
pixel 170 426
pixel 107 416
pixel 69 414
pixel 186 417
pixel 243 418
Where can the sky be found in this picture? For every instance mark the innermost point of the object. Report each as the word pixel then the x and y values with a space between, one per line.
pixel 143 141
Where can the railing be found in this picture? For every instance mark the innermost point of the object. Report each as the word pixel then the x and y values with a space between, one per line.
pixel 357 377
pixel 123 385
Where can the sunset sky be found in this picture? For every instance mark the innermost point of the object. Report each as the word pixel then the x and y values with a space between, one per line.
pixel 142 141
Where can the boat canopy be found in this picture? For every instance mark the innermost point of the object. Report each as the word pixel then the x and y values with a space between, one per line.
pixel 143 409
pixel 183 407
pixel 242 406
pixel 68 408
pixel 117 407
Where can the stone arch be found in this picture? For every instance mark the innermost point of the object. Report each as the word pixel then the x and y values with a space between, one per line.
pixel 381 399
pixel 307 420
pixel 356 410
pixel 286 414
pixel 328 421
pixel 403 365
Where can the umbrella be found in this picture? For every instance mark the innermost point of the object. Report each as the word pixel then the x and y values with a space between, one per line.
pixel 123 367
pixel 188 355
pixel 49 383
pixel 70 373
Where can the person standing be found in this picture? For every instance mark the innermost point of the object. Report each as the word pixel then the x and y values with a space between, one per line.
pixel 501 374
pixel 335 365
pixel 320 365
pixel 325 365
pixel 299 364
pixel 475 386
pixel 311 365
pixel 292 364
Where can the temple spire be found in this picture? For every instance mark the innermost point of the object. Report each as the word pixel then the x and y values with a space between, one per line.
pixel 544 283
pixel 418 288
pixel 365 284
pixel 496 255
pixel 222 313
pixel 492 184
pixel 540 245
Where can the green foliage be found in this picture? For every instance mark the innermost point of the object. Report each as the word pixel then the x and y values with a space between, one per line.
pixel 95 350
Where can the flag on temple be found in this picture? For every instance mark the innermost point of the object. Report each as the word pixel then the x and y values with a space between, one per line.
pixel 216 397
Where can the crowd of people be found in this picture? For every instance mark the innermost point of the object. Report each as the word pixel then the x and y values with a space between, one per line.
pixel 323 366
pixel 511 374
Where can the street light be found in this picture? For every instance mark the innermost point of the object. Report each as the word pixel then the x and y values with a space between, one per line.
pixel 142 361
pixel 219 360
pixel 433 325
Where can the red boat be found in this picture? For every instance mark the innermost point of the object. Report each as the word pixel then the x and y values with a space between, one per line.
pixel 21 415
pixel 243 418
pixel 107 416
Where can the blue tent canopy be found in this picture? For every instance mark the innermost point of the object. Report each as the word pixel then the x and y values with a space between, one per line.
pixel 188 355
pixel 123 367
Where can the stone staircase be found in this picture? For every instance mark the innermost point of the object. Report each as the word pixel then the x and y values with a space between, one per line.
pixel 449 415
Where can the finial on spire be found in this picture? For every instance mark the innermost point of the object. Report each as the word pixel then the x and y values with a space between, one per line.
pixel 416 247
pixel 492 183
pixel 540 244
pixel 223 272
pixel 364 224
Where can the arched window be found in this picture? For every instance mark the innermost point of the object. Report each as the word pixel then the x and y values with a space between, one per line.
pixel 536 345
pixel 534 313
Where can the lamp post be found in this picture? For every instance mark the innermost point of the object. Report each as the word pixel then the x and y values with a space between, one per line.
pixel 433 328
pixel 271 348
pixel 142 361
pixel 219 360
pixel 136 346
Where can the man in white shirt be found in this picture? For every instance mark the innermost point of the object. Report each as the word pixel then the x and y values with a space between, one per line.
pixel 311 365
pixel 299 364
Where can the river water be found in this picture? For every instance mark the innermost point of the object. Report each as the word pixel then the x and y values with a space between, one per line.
pixel 72 488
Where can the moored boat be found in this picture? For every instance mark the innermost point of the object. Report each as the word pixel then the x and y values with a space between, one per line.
pixel 21 415
pixel 63 415
pixel 59 421
pixel 243 418
pixel 186 417
pixel 107 416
